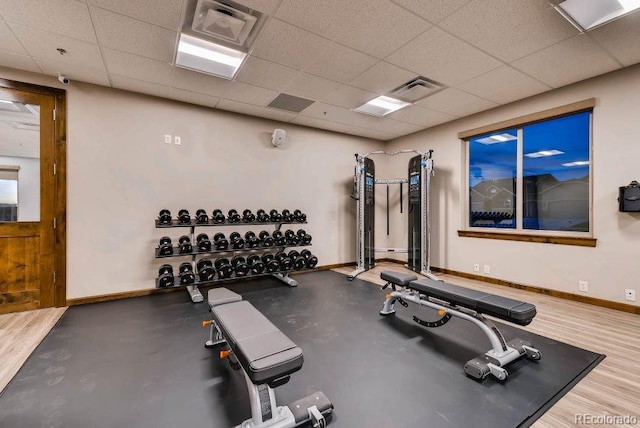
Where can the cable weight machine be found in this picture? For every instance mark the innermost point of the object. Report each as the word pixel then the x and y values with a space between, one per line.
pixel 420 171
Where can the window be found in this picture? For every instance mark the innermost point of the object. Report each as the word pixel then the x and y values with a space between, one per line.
pixel 8 193
pixel 533 177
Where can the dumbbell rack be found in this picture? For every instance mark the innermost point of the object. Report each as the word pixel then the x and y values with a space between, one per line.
pixel 194 292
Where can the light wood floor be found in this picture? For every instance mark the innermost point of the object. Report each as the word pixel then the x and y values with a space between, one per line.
pixel 612 388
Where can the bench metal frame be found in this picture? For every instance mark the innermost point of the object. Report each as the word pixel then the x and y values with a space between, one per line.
pixel 494 360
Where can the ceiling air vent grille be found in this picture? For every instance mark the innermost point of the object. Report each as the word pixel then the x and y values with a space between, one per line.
pixel 290 103
pixel 416 89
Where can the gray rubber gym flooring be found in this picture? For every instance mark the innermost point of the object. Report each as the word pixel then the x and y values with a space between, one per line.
pixel 141 362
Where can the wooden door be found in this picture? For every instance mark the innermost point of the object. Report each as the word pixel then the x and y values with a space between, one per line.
pixel 29 244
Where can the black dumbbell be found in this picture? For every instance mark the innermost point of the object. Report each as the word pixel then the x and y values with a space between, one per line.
pixel 262 216
pixel 233 216
pixel 220 242
pixel 252 242
pixel 275 216
pixel 184 244
pixel 184 217
pixel 279 256
pixel 292 238
pixel 312 261
pixel 223 268
pixel 164 217
pixel 293 254
pixel 201 216
pixel 287 216
pixel 272 266
pixel 217 217
pixel 299 263
pixel 240 266
pixel 299 216
pixel 252 259
pixel 186 274
pixel 206 272
pixel 266 258
pixel 286 264
pixel 204 244
pixel 305 254
pixel 164 246
pixel 236 241
pixel 165 276
pixel 248 216
pixel 249 234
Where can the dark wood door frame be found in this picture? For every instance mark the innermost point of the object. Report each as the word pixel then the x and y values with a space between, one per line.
pixel 60 159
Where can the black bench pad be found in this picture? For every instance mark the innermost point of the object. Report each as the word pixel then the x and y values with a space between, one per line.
pixel 504 308
pixel 262 349
pixel 398 278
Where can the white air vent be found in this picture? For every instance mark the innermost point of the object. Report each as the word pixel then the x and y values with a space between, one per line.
pixel 221 21
pixel 416 89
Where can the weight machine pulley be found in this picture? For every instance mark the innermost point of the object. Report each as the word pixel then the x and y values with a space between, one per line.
pixel 420 171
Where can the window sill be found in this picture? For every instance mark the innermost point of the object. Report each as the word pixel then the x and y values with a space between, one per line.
pixel 545 239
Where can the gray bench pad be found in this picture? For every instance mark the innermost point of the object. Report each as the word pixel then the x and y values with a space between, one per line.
pixel 504 308
pixel 262 349
pixel 221 296
pixel 398 278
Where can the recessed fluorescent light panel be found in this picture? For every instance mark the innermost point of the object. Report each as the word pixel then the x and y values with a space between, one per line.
pixel 589 14
pixel 544 153
pixel 381 106
pixel 207 57
pixel 576 163
pixel 496 138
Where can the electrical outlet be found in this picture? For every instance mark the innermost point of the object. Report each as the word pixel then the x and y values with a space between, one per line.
pixel 476 267
pixel 487 269
pixel 583 286
pixel 167 139
pixel 178 141
pixel 630 294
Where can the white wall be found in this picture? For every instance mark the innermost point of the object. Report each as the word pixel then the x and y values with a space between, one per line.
pixel 28 186
pixel 609 267
pixel 121 173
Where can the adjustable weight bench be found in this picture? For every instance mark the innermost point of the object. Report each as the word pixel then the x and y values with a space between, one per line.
pixel 267 358
pixel 471 305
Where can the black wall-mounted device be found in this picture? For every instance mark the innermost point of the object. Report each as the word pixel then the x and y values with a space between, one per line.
pixel 629 198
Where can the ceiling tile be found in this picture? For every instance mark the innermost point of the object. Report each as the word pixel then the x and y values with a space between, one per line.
pixel 198 82
pixel 252 110
pixel 74 72
pixel 9 42
pixel 382 77
pixel 504 85
pixel 331 113
pixel 264 6
pixel 389 125
pixel 288 45
pixel 341 64
pixel 339 127
pixel 621 37
pixel 193 97
pixel 569 61
pixel 137 67
pixel 43 45
pixel 140 86
pixel 457 103
pixel 348 97
pixel 432 10
pixel 248 94
pixel 509 29
pixel 20 62
pixel 165 13
pixel 133 36
pixel 66 17
pixel 266 74
pixel 439 56
pixel 418 115
pixel 375 27
pixel 309 86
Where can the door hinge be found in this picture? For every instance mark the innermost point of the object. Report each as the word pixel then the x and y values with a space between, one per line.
pixel 54 114
pixel 54 276
pixel 55 170
pixel 55 222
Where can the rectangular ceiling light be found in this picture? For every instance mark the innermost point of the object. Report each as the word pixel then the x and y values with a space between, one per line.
pixel 207 57
pixel 496 138
pixel 381 106
pixel 543 153
pixel 588 14
pixel 576 163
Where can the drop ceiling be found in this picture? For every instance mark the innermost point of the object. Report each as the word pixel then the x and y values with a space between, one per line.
pixel 339 53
